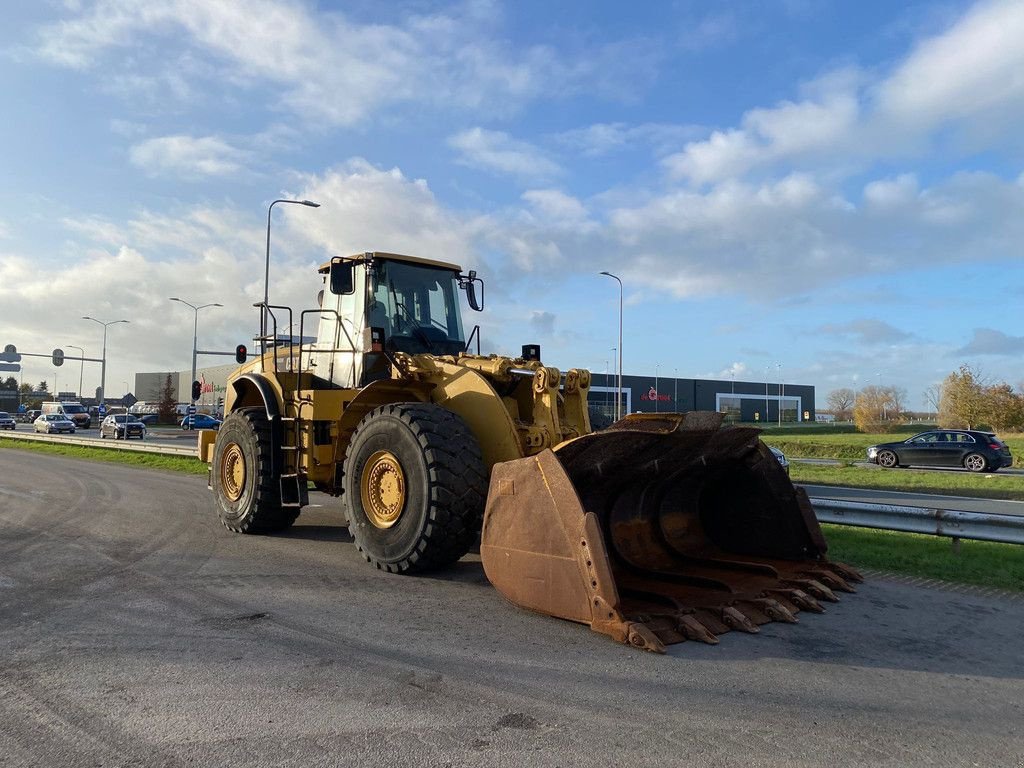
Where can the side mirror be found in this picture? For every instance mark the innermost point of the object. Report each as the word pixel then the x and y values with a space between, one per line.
pixel 343 279
pixel 468 284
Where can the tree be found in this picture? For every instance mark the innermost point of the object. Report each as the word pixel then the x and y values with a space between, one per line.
pixel 870 414
pixel 42 386
pixel 963 400
pixel 896 398
pixel 932 397
pixel 9 383
pixel 166 409
pixel 1002 408
pixel 840 402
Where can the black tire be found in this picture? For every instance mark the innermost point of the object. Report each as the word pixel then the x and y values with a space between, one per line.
pixel 975 462
pixel 248 494
pixel 888 459
pixel 425 487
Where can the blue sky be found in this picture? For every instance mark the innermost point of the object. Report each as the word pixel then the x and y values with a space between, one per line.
pixel 834 188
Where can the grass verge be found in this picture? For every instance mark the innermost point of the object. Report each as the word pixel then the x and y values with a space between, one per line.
pixel 185 464
pixel 984 486
pixel 980 563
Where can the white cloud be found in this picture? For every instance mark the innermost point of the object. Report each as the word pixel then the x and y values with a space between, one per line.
pixel 605 138
pixel 498 152
pixel 974 67
pixel 188 156
pixel 318 61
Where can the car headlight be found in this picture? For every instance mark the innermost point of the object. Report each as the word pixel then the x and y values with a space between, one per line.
pixel 872 451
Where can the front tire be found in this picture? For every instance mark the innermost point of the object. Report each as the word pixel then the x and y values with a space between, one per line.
pixel 248 494
pixel 975 462
pixel 415 486
pixel 888 459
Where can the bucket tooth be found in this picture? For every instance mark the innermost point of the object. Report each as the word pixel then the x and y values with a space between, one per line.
pixel 816 588
pixel 640 636
pixel 775 610
pixel 846 572
pixel 736 619
pixel 800 599
pixel 830 579
pixel 694 630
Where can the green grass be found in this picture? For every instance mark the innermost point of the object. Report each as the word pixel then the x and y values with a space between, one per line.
pixel 185 464
pixel 984 486
pixel 980 563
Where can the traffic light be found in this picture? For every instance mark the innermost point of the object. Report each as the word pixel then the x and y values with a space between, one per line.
pixel 58 357
pixel 241 353
pixel 197 390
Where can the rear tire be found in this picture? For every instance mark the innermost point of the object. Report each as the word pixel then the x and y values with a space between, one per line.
pixel 888 459
pixel 415 486
pixel 975 462
pixel 248 494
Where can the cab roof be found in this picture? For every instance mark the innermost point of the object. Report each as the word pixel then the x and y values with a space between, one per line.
pixel 326 267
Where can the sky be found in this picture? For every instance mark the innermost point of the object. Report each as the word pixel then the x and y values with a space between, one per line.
pixel 830 193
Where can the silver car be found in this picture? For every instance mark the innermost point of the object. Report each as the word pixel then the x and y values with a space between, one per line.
pixel 53 422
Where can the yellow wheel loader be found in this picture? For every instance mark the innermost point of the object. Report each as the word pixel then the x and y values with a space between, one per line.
pixel 659 529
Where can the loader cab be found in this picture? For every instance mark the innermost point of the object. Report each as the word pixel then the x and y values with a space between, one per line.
pixel 387 303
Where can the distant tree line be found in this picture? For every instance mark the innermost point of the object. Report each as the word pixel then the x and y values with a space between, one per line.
pixel 964 400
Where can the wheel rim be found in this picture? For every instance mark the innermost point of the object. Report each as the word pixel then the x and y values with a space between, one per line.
pixel 975 463
pixel 382 488
pixel 232 472
pixel 887 459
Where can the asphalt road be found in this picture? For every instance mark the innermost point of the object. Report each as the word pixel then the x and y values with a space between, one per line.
pixel 136 631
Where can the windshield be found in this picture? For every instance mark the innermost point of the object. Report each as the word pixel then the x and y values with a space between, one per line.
pixel 417 306
pixel 74 409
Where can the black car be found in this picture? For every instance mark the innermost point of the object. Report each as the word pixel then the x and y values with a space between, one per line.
pixel 967 448
pixel 121 427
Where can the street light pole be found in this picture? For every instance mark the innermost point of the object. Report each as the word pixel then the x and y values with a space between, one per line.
pixel 81 369
pixel 195 336
pixel 657 395
pixel 675 390
pixel 103 364
pixel 266 271
pixel 618 399
pixel 778 366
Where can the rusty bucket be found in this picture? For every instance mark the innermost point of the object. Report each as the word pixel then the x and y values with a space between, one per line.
pixel 660 529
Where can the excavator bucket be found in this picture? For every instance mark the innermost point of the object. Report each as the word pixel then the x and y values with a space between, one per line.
pixel 660 529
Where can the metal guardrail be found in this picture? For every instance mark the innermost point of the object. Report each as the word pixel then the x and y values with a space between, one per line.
pixel 955 524
pixel 139 446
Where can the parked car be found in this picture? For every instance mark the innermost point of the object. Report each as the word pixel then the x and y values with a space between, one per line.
pixel 7 421
pixel 200 421
pixel 122 427
pixel 967 448
pixel 53 422
pixel 781 457
pixel 148 418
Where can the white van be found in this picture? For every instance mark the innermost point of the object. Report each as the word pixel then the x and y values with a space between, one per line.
pixel 76 412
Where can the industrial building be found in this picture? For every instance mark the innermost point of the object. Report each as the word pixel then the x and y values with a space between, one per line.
pixel 741 401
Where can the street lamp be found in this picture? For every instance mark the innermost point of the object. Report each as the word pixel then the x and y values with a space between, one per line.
pixel 618 399
pixel 657 396
pixel 195 335
pixel 778 366
pixel 767 373
pixel 81 368
pixel 675 390
pixel 266 271
pixel 878 378
pixel 103 365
